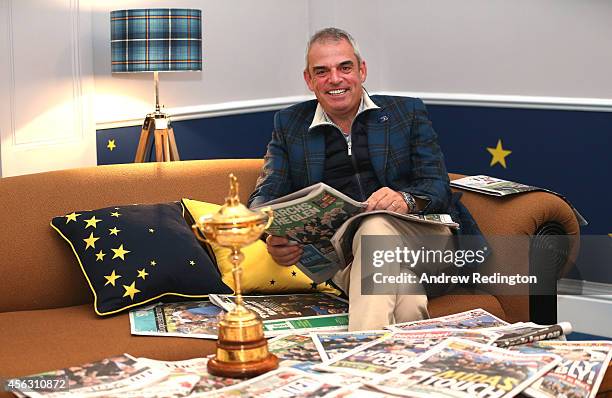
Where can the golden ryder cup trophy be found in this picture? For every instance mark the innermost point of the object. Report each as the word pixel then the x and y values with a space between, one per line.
pixel 242 350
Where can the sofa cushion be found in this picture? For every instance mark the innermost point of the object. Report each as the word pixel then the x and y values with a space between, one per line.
pixel 260 273
pixel 134 254
pixel 43 340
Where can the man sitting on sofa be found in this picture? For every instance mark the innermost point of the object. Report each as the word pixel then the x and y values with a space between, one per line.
pixel 378 149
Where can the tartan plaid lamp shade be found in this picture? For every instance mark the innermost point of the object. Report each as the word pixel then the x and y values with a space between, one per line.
pixel 156 40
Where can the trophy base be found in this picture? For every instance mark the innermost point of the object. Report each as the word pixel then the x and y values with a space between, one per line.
pixel 242 370
pixel 242 350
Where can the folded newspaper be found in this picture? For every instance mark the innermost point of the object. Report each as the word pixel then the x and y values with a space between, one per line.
pixel 296 313
pixel 295 350
pixel 392 351
pixel 198 319
pixel 106 377
pixel 579 373
pixel 324 221
pixel 497 187
pixel 458 367
pixel 528 332
pixel 472 319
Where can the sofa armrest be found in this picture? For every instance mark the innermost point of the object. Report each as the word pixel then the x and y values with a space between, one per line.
pixel 542 215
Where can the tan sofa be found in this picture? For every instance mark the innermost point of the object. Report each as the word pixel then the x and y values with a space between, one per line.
pixel 46 315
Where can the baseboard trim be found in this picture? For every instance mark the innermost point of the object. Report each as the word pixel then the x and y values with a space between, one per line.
pixel 587 314
pixel 453 99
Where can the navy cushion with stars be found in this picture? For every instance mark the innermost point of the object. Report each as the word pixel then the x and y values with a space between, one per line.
pixel 134 254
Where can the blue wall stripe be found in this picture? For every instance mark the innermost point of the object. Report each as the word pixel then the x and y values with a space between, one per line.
pixel 565 151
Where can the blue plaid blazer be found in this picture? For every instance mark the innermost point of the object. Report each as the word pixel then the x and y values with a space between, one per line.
pixel 403 149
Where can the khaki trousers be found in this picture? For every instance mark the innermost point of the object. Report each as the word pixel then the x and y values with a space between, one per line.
pixel 367 312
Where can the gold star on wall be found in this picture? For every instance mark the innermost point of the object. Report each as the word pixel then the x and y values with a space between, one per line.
pixel 142 273
pixel 153 263
pixel 111 278
pixel 120 252
pixel 91 241
pixel 114 231
pixel 111 145
pixel 92 222
pixel 130 290
pixel 100 255
pixel 71 217
pixel 115 214
pixel 499 154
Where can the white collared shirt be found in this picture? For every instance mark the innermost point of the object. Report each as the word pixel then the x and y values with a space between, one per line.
pixel 321 117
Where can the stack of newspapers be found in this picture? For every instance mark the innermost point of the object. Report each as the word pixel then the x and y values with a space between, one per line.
pixel 469 354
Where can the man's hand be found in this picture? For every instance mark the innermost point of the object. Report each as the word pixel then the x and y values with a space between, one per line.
pixel 282 251
pixel 387 199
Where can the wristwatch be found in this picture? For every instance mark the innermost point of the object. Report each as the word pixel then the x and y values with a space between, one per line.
pixel 409 199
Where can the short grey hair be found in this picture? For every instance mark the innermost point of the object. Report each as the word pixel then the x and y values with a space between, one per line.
pixel 333 34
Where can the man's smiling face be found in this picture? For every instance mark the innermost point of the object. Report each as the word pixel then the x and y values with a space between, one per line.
pixel 335 76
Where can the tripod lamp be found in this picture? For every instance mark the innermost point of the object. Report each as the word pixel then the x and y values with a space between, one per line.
pixel 156 40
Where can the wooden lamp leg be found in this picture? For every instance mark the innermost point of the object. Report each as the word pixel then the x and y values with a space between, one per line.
pixel 145 133
pixel 159 146
pixel 174 155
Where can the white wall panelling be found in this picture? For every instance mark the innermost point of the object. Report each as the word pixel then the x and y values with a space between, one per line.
pixel 46 81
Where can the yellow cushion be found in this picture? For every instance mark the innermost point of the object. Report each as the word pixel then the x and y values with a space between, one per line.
pixel 260 273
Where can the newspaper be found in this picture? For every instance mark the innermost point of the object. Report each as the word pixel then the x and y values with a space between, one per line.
pixel 358 391
pixel 497 187
pixel 197 319
pixel 393 351
pixel 463 368
pixel 295 313
pixel 295 350
pixel 578 375
pixel 198 367
pixel 176 385
pixel 324 221
pixel 527 332
pixel 109 376
pixel 333 344
pixel 282 382
pixel 473 319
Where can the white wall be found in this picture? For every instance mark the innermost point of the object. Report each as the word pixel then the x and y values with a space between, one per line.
pixel 559 48
pixel 46 86
pixel 547 53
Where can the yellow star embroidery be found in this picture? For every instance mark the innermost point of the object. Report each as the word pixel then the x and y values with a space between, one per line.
pixel 114 231
pixel 71 217
pixel 153 263
pixel 115 214
pixel 111 278
pixel 151 230
pixel 92 222
pixel 111 145
pixel 192 262
pixel 130 290
pixel 91 241
pixel 100 255
pixel 142 273
pixel 499 154
pixel 120 252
